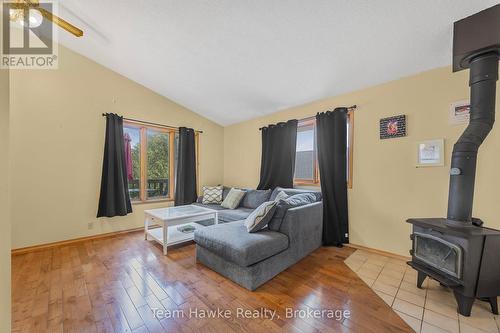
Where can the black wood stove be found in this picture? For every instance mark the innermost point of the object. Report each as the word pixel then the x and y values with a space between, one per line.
pixel 458 251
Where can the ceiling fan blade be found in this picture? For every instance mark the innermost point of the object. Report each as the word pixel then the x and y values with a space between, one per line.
pixel 60 22
pixel 14 5
pixel 23 4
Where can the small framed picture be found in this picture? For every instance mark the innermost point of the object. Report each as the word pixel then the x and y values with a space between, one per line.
pixel 430 153
pixel 460 112
pixel 393 127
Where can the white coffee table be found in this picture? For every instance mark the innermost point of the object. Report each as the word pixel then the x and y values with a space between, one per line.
pixel 169 219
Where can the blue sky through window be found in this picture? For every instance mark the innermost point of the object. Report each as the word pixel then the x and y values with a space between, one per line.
pixel 134 134
pixel 305 140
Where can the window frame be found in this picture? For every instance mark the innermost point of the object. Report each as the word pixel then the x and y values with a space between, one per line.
pixel 316 176
pixel 143 142
pixel 315 181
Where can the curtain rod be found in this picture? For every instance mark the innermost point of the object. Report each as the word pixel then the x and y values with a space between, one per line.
pixel 150 123
pixel 350 108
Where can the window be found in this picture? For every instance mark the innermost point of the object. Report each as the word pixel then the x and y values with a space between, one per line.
pixel 306 160
pixel 154 161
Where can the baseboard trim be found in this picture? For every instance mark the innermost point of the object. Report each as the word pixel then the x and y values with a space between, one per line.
pixel 34 248
pixel 380 252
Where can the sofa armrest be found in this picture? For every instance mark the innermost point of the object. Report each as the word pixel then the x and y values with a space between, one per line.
pixel 304 227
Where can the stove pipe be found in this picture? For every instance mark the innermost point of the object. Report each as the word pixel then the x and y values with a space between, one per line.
pixel 482 82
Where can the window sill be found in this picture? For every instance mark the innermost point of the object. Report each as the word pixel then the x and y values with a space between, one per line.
pixel 298 183
pixel 303 184
pixel 152 201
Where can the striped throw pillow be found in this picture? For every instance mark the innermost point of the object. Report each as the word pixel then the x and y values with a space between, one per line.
pixel 261 216
pixel 212 195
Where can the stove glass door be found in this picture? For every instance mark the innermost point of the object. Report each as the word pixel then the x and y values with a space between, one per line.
pixel 438 253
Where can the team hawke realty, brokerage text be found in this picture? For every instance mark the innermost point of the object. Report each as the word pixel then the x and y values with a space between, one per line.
pixel 307 313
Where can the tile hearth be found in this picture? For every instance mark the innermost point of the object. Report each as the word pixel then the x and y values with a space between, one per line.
pixel 427 310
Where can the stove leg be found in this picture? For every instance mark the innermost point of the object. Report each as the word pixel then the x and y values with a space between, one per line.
pixel 420 279
pixel 464 303
pixel 494 304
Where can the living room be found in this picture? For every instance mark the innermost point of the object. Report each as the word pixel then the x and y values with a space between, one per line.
pixel 175 167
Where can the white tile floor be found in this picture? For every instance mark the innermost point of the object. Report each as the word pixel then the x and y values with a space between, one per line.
pixel 430 309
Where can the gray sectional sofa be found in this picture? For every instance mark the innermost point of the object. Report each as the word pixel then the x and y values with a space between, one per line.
pixel 251 259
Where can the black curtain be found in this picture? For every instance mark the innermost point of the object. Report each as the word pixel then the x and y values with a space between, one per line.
pixel 278 155
pixel 114 199
pixel 185 184
pixel 332 160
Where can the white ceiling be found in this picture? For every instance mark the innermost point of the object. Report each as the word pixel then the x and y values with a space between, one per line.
pixel 232 60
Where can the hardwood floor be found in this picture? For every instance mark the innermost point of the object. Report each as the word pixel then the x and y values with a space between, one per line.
pixel 112 285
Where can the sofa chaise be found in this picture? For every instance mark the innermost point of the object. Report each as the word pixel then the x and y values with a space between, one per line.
pixel 251 259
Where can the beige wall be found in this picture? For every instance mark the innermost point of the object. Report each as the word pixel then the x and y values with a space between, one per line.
pixel 388 188
pixel 57 134
pixel 4 203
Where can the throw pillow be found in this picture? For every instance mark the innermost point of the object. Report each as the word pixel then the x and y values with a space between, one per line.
pixel 281 196
pixel 225 192
pixel 260 217
pixel 212 195
pixel 255 198
pixel 233 198
pixel 291 202
pixel 294 191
